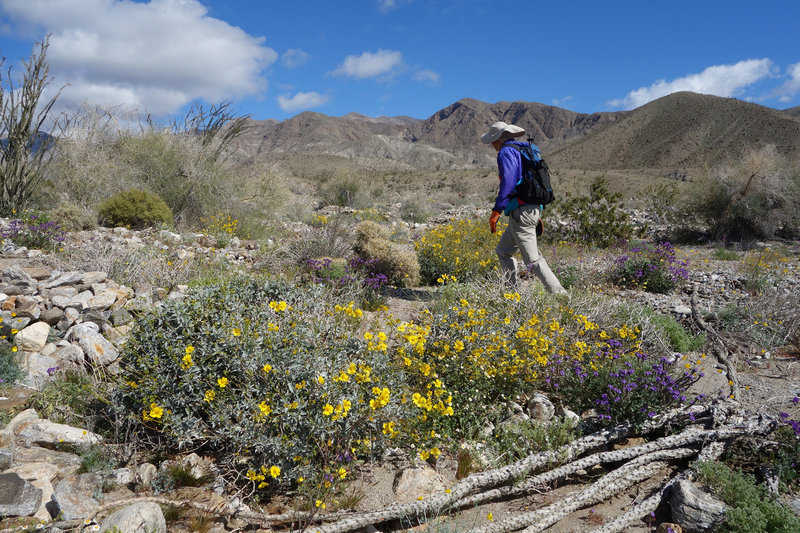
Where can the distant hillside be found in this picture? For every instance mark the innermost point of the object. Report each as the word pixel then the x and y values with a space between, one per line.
pixel 682 130
pixel 449 138
pixel 794 111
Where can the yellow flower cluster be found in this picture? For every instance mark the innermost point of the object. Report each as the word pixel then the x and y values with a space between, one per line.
pixel 274 472
pixel 461 249
pixel 350 310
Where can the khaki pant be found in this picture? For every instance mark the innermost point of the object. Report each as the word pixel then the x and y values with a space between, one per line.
pixel 520 236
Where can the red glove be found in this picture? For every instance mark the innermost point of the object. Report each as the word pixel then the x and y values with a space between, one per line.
pixel 493 220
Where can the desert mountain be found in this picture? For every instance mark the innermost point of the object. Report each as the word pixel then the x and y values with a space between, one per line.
pixel 450 137
pixel 682 130
pixel 794 111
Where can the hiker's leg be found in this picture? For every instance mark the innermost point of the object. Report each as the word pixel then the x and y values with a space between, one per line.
pixel 505 249
pixel 528 247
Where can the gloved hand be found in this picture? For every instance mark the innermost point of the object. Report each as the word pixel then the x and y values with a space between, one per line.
pixel 493 220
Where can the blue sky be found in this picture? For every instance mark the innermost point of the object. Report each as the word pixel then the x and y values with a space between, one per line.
pixel 406 57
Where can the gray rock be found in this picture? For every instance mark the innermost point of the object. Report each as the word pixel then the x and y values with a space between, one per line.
pixel 96 347
pixel 10 323
pixel 67 278
pixel 38 369
pixel 143 517
pixel 794 505
pixel 47 433
pixel 103 301
pixel 28 308
pixel 17 496
pixel 539 407
pixel 34 337
pixel 69 318
pixel 71 353
pixel 412 483
pixel 73 496
pixel 121 317
pixel 694 509
pixel 15 280
pixel 6 458
pixel 91 278
pixel 147 473
pixel 67 463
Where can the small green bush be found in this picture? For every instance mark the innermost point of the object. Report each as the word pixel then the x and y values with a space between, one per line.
pixel 135 209
pixel 680 340
pixel 725 254
pixel 595 220
pixel 752 508
pixel 9 367
pixel 399 265
pixel 512 442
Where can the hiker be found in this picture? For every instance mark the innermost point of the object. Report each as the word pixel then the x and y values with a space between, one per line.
pixel 523 219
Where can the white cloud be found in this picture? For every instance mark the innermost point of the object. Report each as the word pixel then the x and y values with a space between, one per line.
pixel 788 90
pixel 302 101
pixel 719 80
pixel 561 102
pixel 370 65
pixel 294 57
pixel 427 76
pixel 154 57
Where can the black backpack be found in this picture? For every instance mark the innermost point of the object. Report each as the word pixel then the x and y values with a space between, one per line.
pixel 534 188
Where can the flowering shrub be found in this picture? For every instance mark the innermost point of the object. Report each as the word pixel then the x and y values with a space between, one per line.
pixel 355 277
pixel 489 353
pixel 654 268
pixel 271 380
pixel 619 386
pixel 33 231
pixel 223 227
pixel 461 248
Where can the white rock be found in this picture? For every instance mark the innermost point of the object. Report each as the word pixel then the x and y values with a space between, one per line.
pixel 34 337
pixel 137 518
pixel 415 482
pixel 47 433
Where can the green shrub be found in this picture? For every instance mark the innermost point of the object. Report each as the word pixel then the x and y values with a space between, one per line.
pixel 752 508
pixel 725 254
pixel 72 397
pixel 9 367
pixel 679 339
pixel 399 265
pixel 595 220
pixel 345 190
pixel 135 209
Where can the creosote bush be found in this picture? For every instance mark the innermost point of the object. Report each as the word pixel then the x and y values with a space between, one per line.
pixel 595 220
pixel 752 197
pixel 135 209
pixel 399 265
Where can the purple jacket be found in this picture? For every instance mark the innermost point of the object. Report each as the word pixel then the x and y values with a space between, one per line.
pixel 509 163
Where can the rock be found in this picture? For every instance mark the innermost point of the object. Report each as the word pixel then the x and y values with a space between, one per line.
pixel 96 347
pixel 91 278
pixel 6 458
pixel 143 517
pixel 9 433
pixel 73 496
pixel 38 369
pixel 34 337
pixel 67 278
pixel 28 308
pixel 147 473
pixel 67 463
pixel 17 496
pixel 69 318
pixel 794 505
pixel 15 280
pixel 120 317
pixel 539 407
pixel 103 301
pixel 71 353
pixel 693 509
pixel 667 527
pixel 412 483
pixel 681 309
pixel 47 433
pixel 10 323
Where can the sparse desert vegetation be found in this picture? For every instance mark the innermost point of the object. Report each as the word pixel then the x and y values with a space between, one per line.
pixel 302 325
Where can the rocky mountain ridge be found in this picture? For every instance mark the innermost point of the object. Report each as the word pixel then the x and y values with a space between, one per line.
pixel 682 130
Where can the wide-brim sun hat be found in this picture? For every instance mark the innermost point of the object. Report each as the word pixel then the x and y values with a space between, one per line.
pixel 498 129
